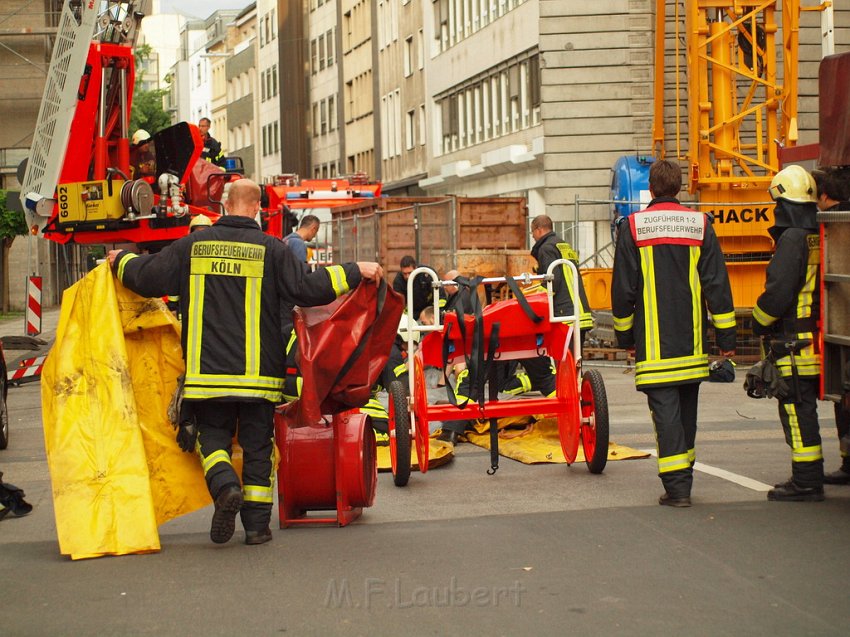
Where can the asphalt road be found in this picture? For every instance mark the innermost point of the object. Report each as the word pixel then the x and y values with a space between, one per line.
pixel 531 550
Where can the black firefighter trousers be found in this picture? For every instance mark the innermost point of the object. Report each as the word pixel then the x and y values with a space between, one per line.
pixel 802 432
pixel 217 422
pixel 674 414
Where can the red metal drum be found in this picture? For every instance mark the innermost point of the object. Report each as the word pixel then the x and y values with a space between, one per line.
pixel 324 467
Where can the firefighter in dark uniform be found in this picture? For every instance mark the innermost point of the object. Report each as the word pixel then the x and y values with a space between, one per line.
pixel 786 316
pixel 423 292
pixel 668 270
pixel 539 374
pixel 833 183
pixel 232 280
pixel 212 147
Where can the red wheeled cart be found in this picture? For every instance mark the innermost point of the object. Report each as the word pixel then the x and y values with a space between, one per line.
pixel 514 329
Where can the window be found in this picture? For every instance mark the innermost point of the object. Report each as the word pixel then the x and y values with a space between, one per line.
pixel 330 46
pixel 332 113
pixel 420 50
pixel 409 130
pixel 349 102
pixel 408 56
pixel 322 56
pixel 275 137
pixel 314 56
pixel 421 124
pixel 323 113
pixel 385 128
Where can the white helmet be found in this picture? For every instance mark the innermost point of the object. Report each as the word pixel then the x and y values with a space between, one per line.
pixel 795 184
pixel 140 136
pixel 407 329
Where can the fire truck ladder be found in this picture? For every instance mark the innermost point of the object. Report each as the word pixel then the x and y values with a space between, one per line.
pixel 81 23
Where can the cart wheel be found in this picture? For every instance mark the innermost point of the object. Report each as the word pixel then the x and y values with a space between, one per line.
pixel 569 414
pixel 420 413
pixel 398 424
pixel 594 423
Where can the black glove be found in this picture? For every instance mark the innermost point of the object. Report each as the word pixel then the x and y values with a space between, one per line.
pixel 187 435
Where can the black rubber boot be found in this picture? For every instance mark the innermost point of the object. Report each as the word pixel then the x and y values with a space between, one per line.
pixel 227 505
pixel 790 492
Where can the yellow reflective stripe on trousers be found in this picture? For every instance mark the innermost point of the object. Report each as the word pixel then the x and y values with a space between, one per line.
pixel 762 317
pixel 338 279
pixel 374 408
pixel 124 261
pixel 254 493
pixel 673 463
pixel 624 324
pixel 221 380
pixel 460 377
pixel 208 462
pixel 806 454
pixel 524 385
pixel 692 456
pixel 195 324
pixel 696 298
pixel 793 425
pixel 253 288
pixel 723 321
pixel 650 306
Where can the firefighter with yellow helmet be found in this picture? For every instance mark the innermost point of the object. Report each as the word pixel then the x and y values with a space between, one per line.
pixel 199 222
pixel 786 316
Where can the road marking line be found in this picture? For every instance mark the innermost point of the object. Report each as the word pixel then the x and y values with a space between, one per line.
pixel 743 481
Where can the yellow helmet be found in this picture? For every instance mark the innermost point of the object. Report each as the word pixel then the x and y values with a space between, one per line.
pixel 199 221
pixel 794 183
pixel 140 136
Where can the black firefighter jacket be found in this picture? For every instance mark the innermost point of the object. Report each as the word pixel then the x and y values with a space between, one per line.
pixel 789 307
pixel 547 249
pixel 667 267
pixel 232 281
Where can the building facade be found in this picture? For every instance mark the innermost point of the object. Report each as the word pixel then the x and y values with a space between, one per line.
pixel 268 73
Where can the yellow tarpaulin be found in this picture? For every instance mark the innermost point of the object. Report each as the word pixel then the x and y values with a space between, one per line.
pixel 439 454
pixel 115 468
pixel 538 444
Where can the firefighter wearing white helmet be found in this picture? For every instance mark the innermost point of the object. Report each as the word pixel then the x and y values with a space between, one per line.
pixel 140 136
pixel 786 316
pixel 142 156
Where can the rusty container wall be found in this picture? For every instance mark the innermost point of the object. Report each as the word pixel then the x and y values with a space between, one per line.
pixel 416 226
pixel 834 87
pixel 436 231
pixel 491 223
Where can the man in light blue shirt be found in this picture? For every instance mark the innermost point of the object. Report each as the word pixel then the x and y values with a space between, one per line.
pixel 297 239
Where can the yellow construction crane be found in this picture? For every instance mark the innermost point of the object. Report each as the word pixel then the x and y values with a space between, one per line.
pixel 734 108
